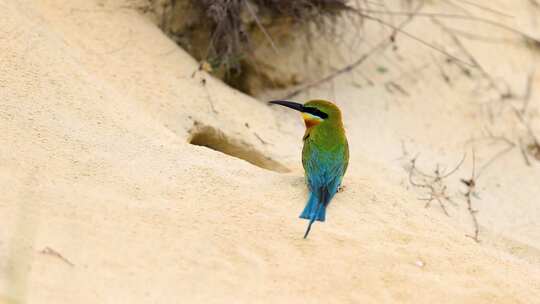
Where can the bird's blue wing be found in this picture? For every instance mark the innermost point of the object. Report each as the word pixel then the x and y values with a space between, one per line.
pixel 324 172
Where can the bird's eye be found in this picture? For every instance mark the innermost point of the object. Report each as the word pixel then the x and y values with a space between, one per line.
pixel 316 112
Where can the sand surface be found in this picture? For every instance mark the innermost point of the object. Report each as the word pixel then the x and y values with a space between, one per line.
pixel 105 201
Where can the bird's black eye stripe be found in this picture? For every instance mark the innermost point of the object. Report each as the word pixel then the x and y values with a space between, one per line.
pixel 316 112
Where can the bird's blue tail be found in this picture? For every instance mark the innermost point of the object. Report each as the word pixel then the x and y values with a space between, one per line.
pixel 314 210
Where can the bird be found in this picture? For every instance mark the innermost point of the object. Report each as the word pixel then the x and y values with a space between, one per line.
pixel 325 154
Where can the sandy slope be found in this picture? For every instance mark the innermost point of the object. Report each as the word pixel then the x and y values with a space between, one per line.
pixel 106 202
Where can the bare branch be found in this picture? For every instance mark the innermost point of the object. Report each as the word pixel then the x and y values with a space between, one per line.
pixel 471 186
pixel 378 47
pixel 455 168
pixel 434 184
pixel 261 27
pixel 51 252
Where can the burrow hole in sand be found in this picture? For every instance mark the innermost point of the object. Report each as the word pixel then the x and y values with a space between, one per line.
pixel 214 139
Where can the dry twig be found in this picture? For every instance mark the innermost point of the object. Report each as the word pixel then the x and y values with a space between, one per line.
pixel 471 186
pixel 56 254
pixel 434 183
pixel 203 68
pixel 387 41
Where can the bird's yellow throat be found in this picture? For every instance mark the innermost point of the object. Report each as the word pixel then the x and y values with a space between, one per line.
pixel 311 120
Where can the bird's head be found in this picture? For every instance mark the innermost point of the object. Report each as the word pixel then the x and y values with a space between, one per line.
pixel 314 112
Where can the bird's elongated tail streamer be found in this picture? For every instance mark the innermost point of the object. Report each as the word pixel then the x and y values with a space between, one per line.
pixel 321 203
pixel 313 217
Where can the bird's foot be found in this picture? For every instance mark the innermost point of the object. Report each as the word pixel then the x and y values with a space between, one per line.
pixel 341 188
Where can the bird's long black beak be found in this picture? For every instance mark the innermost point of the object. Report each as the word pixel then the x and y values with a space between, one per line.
pixel 289 104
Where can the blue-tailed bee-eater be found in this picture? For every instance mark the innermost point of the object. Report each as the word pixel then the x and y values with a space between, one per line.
pixel 325 155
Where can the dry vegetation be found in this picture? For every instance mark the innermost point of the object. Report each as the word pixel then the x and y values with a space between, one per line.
pixel 225 34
